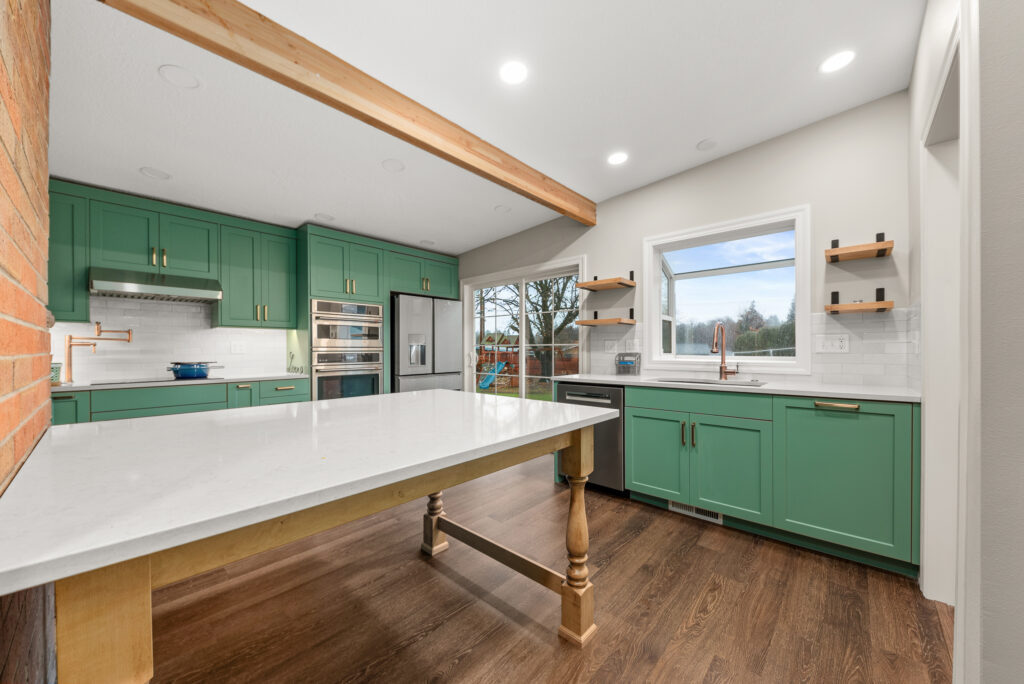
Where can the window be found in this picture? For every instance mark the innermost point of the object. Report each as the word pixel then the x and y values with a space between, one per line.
pixel 525 334
pixel 748 276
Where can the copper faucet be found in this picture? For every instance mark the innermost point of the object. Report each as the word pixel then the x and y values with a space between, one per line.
pixel 723 371
pixel 72 341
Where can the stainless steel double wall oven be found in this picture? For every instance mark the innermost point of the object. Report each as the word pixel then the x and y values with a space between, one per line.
pixel 347 341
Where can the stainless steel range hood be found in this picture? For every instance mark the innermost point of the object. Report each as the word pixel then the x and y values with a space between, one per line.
pixel 111 282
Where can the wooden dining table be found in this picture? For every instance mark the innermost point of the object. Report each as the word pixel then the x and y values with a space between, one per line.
pixel 110 511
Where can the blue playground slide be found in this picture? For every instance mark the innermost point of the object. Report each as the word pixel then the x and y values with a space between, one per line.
pixel 489 378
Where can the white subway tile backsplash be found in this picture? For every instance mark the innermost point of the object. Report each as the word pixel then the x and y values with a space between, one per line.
pixel 165 332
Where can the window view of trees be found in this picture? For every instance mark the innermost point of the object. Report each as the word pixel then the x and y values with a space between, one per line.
pixel 550 341
pixel 749 333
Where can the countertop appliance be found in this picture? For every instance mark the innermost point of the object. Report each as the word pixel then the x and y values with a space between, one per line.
pixel 609 461
pixel 347 349
pixel 627 363
pixel 426 343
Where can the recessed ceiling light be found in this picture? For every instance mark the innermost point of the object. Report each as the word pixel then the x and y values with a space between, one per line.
pixel 323 217
pixel 837 61
pixel 178 76
pixel 616 158
pixel 706 144
pixel 502 209
pixel 513 73
pixel 427 243
pixel 393 165
pixel 156 174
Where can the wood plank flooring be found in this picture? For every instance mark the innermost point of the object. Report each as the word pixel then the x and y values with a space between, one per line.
pixel 679 600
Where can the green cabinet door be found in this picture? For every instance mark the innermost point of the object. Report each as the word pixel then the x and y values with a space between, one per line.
pixel 123 237
pixel 844 474
pixel 240 278
pixel 327 268
pixel 366 271
pixel 442 279
pixel 188 247
pixel 405 273
pixel 68 279
pixel 657 455
pixel 277 264
pixel 731 466
pixel 242 394
pixel 70 408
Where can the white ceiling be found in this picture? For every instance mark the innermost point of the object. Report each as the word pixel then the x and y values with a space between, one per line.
pixel 649 77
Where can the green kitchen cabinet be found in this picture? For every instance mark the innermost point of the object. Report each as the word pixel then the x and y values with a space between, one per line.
pixel 277 272
pixel 123 237
pixel 188 247
pixel 258 274
pixel 365 268
pixel 243 394
pixel 68 269
pixel 417 275
pixel 731 466
pixel 843 473
pixel 157 411
pixel 283 391
pixel 442 279
pixel 657 453
pixel 345 270
pixel 70 407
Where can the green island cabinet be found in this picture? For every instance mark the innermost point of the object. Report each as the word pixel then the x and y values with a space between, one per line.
pixel 417 275
pixel 707 449
pixel 339 269
pixel 258 276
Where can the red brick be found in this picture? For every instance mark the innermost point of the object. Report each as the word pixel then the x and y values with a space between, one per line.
pixel 6 379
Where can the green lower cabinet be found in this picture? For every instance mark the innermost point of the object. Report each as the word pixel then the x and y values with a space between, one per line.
pixel 157 411
pixel 243 394
pixel 657 459
pixel 70 408
pixel 844 475
pixel 68 280
pixel 283 391
pixel 731 466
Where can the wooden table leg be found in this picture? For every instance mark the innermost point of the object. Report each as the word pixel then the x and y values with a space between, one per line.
pixel 105 625
pixel 434 540
pixel 577 591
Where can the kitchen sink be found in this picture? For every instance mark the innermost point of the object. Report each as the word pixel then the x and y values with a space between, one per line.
pixel 706 381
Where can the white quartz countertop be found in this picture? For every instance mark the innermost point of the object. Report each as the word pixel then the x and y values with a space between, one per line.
pixel 170 382
pixel 94 494
pixel 782 387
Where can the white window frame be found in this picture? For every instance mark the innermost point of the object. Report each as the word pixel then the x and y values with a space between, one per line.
pixel 548 269
pixel 800 219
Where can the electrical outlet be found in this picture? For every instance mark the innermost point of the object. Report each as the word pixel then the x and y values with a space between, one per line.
pixel 238 347
pixel 832 344
pixel 609 347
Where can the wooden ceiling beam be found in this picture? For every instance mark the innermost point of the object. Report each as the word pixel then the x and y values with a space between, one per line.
pixel 240 34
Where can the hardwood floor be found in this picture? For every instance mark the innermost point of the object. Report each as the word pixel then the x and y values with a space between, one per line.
pixel 678 600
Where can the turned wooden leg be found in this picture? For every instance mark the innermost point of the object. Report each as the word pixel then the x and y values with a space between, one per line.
pixel 577 591
pixel 105 625
pixel 434 540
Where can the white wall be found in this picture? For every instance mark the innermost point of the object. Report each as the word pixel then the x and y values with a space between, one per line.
pixel 165 332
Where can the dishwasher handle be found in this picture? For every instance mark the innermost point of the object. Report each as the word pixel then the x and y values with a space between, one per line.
pixel 590 398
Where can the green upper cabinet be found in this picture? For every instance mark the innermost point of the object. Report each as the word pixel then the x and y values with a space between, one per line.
pixel 188 247
pixel 731 466
pixel 240 278
pixel 843 473
pixel 366 272
pixel 657 458
pixel 422 276
pixel 327 267
pixel 259 279
pixel 68 279
pixel 123 237
pixel 277 268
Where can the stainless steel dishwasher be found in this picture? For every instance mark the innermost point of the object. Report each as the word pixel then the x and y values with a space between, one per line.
pixel 609 464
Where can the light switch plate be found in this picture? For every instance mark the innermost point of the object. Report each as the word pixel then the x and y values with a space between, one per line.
pixel 238 347
pixel 832 344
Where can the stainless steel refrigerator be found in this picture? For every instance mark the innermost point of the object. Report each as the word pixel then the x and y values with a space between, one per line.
pixel 426 343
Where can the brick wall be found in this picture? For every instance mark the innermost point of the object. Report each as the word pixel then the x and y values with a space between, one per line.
pixel 25 625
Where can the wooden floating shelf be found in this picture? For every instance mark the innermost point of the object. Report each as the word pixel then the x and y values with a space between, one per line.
pixel 607 321
pixel 859 307
pixel 872 250
pixel 606 284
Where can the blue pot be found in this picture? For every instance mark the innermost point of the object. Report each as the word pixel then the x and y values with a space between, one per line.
pixel 191 370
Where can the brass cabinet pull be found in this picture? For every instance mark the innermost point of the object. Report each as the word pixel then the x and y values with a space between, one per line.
pixel 353 286
pixel 428 284
pixel 266 312
pixel 346 285
pixel 836 405
pixel 693 434
pixel 152 255
pixel 163 257
pixel 423 284
pixel 684 433
pixel 243 386
pixel 257 312
pixel 289 387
